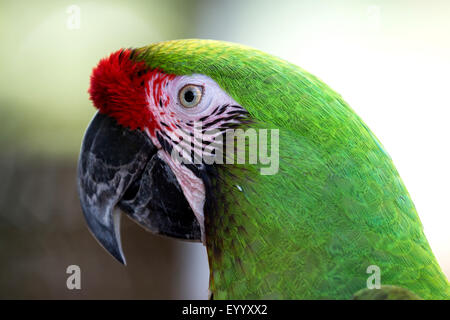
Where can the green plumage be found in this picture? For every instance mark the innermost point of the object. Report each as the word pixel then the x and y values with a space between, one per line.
pixel 336 206
pixel 386 293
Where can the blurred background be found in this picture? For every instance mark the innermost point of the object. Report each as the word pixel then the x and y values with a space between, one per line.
pixel 389 59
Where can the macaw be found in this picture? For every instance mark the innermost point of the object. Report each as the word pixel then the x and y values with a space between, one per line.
pixel 333 206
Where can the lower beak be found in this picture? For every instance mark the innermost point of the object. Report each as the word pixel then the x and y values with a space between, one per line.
pixel 121 169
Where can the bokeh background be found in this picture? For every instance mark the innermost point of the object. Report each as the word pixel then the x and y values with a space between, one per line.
pixel 389 59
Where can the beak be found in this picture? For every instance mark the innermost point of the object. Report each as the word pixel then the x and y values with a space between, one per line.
pixel 120 169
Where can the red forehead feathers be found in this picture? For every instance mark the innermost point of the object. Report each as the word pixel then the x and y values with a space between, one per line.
pixel 118 89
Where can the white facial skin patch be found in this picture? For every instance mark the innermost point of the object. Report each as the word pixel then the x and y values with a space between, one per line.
pixel 208 105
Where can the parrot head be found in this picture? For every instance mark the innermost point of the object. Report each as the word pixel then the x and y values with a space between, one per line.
pixel 146 111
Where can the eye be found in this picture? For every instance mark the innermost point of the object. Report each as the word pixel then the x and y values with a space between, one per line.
pixel 190 95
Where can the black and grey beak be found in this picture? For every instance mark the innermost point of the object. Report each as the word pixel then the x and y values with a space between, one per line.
pixel 120 169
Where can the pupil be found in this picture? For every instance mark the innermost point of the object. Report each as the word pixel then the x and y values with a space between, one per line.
pixel 189 96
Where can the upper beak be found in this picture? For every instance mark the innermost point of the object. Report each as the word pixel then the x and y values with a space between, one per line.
pixel 120 168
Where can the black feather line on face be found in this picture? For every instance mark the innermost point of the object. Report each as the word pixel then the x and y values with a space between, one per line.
pixel 225 120
pixel 169 139
pixel 164 143
pixel 164 124
pixel 241 112
pixel 215 110
pixel 204 118
pixel 233 116
pixel 222 109
pixel 167 144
